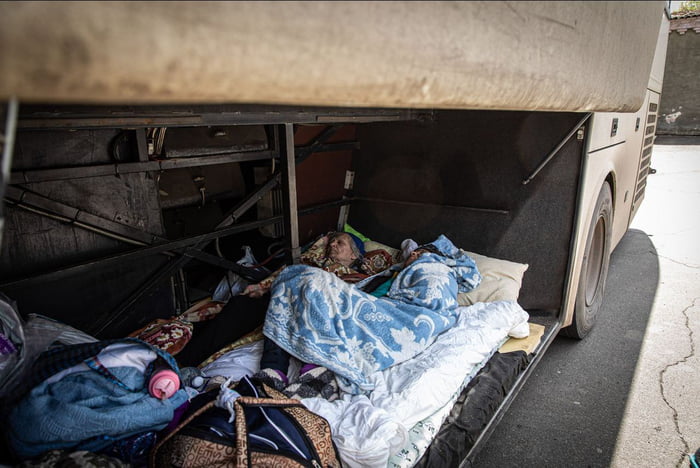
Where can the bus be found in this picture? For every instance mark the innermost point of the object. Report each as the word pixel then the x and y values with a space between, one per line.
pixel 145 143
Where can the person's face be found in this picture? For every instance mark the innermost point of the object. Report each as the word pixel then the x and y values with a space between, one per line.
pixel 412 257
pixel 340 250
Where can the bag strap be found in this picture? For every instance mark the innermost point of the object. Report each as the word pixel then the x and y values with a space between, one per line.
pixel 211 396
pixel 241 450
pixel 268 398
pixel 184 422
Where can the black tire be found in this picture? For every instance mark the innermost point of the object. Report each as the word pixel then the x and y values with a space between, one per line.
pixel 594 268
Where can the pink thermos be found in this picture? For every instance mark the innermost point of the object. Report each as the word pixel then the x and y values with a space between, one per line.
pixel 164 383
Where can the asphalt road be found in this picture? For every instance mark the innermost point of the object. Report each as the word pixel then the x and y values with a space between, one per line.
pixel 570 409
pixel 627 395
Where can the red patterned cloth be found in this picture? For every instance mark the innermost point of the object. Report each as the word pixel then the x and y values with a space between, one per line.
pixel 203 310
pixel 170 335
pixel 376 261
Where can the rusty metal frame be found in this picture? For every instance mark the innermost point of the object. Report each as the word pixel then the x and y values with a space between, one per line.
pixel 183 250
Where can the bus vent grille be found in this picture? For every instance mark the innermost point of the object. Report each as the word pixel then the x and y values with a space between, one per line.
pixel 645 161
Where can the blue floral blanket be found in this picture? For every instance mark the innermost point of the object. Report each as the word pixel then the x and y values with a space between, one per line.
pixel 320 319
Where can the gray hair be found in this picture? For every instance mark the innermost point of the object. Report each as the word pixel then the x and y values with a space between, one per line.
pixel 353 246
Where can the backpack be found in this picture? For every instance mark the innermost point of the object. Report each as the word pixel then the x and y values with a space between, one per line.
pixel 265 428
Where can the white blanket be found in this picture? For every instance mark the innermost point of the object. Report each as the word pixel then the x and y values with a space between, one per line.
pixel 368 429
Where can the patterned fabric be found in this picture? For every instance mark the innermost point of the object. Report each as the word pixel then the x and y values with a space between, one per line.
pixel 422 434
pixel 205 309
pixel 318 318
pixel 419 436
pixel 272 378
pixel 172 335
pixel 169 335
pixel 315 383
pixel 314 426
pixel 188 451
pixel 377 261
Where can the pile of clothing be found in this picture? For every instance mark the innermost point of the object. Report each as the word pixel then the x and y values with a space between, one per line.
pixel 65 391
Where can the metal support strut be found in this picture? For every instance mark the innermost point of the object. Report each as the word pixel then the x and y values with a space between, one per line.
pixel 553 153
pixel 289 185
pixel 8 141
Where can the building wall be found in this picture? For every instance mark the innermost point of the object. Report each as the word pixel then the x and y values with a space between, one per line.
pixel 679 112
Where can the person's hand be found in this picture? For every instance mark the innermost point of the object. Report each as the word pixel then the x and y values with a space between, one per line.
pixel 254 290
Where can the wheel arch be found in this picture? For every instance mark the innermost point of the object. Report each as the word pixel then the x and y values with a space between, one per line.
pixel 605 174
pixel 594 262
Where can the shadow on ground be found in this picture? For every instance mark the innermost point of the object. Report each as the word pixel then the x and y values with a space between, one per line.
pixel 677 140
pixel 570 409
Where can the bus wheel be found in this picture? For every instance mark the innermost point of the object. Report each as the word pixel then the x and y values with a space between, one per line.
pixel 594 268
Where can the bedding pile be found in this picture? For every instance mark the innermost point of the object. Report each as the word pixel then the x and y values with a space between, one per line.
pixel 370 428
pixel 318 318
pixel 405 394
pixel 400 361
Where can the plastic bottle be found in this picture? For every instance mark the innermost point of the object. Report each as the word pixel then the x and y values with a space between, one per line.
pixel 164 383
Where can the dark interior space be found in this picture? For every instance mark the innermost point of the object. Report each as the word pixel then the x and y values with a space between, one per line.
pixel 109 229
pixel 462 175
pixel 458 173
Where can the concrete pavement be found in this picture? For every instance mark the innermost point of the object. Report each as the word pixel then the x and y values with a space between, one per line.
pixel 661 422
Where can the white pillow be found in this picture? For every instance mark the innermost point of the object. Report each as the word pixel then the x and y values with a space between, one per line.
pixel 500 280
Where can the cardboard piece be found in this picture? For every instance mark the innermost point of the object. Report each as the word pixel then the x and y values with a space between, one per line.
pixel 528 344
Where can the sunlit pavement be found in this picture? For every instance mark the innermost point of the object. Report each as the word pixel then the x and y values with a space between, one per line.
pixel 661 423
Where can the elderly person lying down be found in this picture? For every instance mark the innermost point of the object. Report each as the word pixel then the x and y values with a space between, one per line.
pixel 340 253
pixel 320 319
